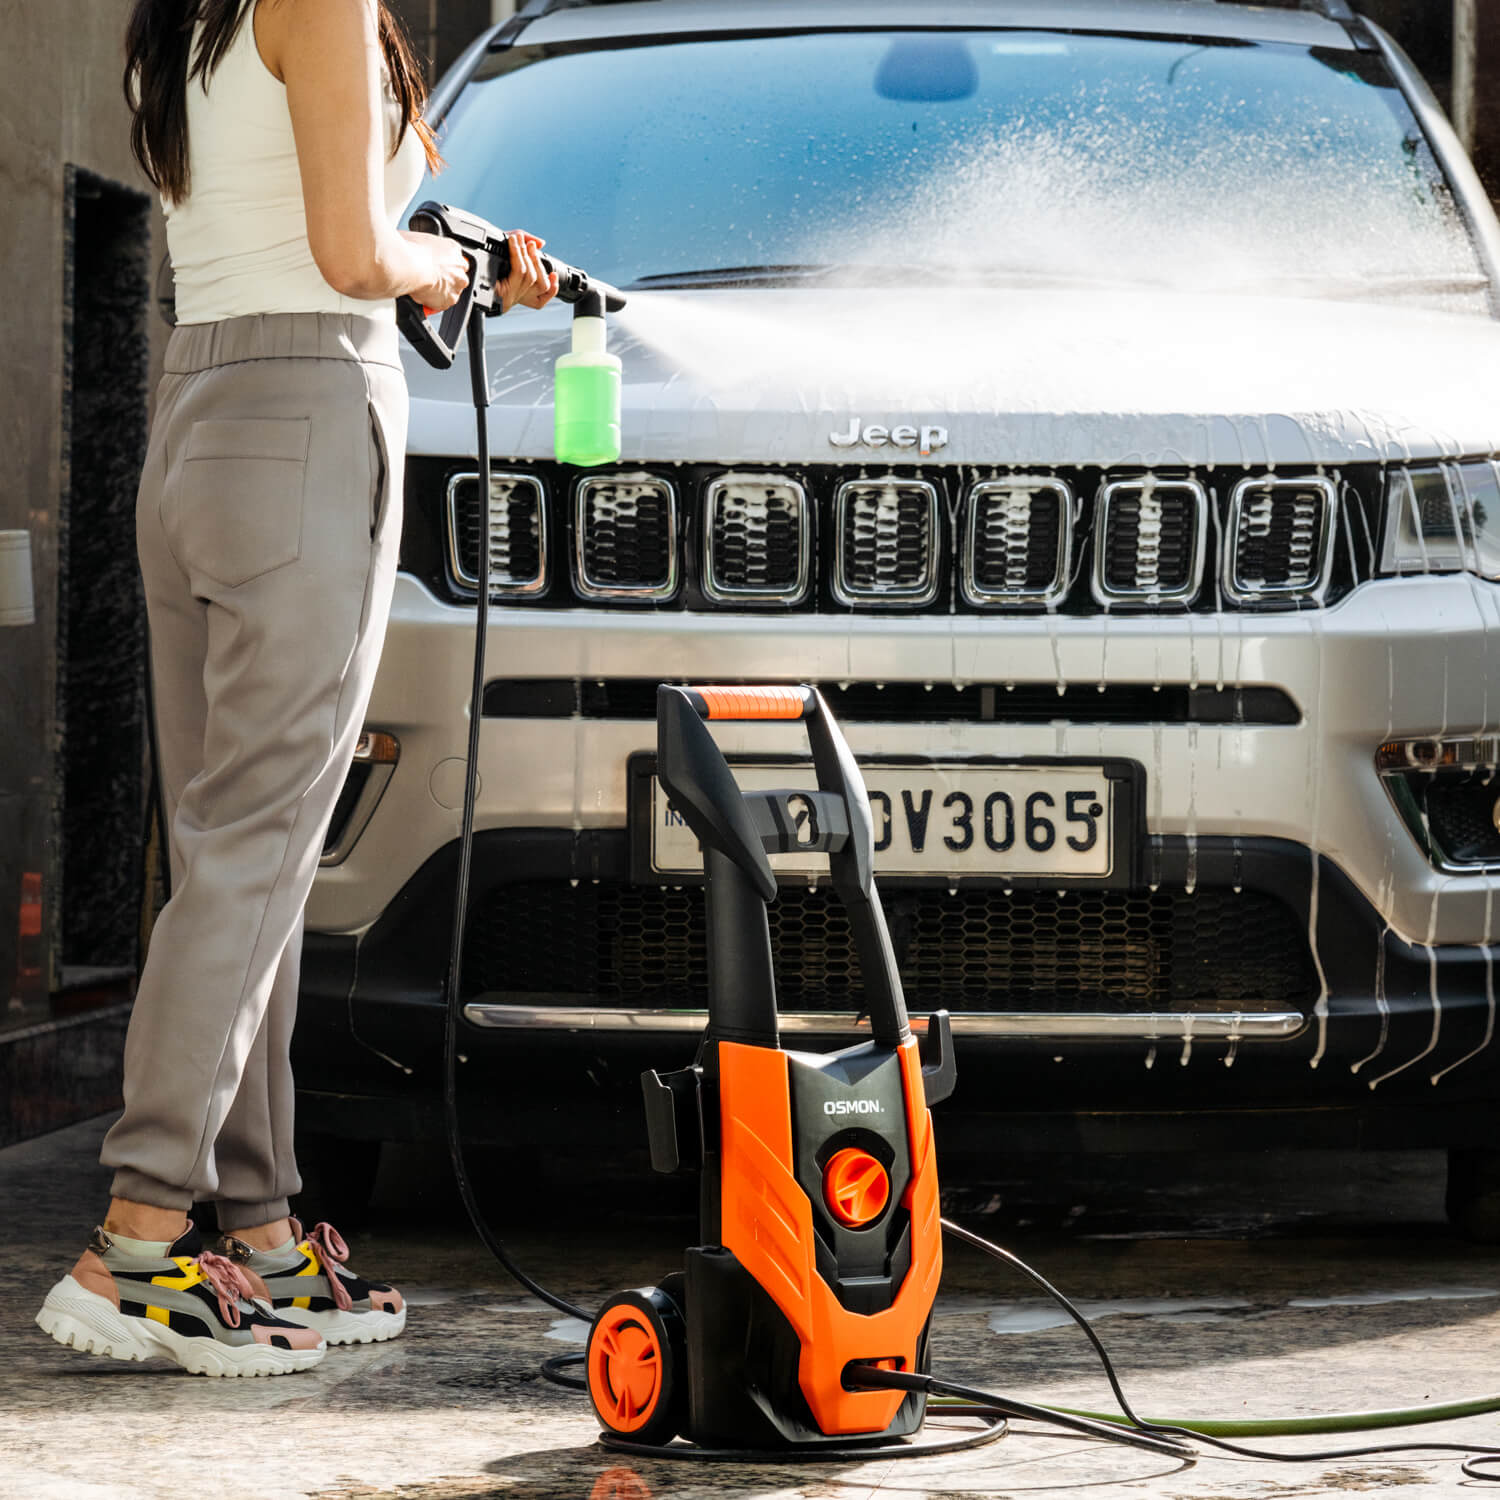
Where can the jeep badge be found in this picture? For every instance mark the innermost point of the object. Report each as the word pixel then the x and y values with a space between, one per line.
pixel 872 435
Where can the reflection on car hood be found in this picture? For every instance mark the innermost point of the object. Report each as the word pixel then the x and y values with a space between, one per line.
pixel 1012 377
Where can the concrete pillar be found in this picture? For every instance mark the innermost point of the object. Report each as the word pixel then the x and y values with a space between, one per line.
pixel 1465 60
pixel 1486 107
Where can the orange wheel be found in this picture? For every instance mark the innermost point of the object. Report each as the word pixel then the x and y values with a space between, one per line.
pixel 635 1366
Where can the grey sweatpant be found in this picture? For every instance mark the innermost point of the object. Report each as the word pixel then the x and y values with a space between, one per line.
pixel 267 522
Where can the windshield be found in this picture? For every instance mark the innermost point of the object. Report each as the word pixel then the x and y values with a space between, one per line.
pixel 989 156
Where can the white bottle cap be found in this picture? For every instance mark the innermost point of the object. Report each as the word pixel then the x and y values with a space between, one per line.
pixel 588 336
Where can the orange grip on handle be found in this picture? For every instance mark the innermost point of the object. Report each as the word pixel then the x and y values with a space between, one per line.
pixel 752 702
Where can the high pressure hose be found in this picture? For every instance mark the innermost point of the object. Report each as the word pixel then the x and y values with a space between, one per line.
pixel 479 380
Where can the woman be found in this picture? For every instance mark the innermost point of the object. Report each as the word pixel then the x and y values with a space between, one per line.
pixel 285 137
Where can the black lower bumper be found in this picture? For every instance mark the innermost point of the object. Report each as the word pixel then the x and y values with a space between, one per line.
pixel 1398 1051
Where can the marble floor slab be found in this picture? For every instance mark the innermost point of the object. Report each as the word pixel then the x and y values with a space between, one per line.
pixel 1217 1296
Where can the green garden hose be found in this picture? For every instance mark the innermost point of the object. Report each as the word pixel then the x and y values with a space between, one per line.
pixel 1259 1427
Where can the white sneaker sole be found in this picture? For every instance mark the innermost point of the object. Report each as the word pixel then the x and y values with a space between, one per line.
pixel 340 1327
pixel 85 1321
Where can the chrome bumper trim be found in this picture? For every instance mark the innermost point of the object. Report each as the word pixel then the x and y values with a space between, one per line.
pixel 1079 1026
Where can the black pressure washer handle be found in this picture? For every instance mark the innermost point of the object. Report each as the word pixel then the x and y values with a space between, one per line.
pixel 697 778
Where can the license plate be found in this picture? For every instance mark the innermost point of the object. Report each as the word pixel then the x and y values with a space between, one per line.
pixel 1021 820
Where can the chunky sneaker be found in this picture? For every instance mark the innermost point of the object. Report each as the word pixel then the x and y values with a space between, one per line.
pixel 190 1306
pixel 307 1283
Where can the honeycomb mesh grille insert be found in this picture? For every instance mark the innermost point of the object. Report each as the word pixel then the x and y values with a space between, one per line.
pixel 517 556
pixel 627 536
pixel 756 537
pixel 1461 813
pixel 1281 530
pixel 888 542
pixel 1104 951
pixel 1016 538
pixel 1151 542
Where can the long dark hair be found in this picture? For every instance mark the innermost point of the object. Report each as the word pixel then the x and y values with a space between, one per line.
pixel 158 69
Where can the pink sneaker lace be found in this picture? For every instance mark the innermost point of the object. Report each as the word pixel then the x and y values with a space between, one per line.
pixel 229 1283
pixel 327 1244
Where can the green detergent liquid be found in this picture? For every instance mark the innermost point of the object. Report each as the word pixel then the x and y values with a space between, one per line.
pixel 587 399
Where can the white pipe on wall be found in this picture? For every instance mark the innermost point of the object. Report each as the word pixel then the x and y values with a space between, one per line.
pixel 17 606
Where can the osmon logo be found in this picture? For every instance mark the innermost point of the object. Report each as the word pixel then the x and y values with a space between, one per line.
pixel 853 1107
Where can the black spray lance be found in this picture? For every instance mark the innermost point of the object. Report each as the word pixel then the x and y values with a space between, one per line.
pixel 587 396
pixel 588 432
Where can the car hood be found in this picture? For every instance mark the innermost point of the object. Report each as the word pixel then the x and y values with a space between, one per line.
pixel 1011 377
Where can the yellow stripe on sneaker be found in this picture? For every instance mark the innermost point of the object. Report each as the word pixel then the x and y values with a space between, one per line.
pixel 158 1315
pixel 303 1302
pixel 191 1275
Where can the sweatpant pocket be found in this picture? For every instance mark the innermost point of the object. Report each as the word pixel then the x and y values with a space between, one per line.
pixel 240 512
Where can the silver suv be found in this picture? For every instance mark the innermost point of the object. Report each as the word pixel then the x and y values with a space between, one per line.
pixel 1098 400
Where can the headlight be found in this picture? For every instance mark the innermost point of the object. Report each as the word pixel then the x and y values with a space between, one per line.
pixel 1443 518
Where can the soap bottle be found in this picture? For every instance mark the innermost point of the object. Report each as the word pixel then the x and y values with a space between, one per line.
pixel 586 402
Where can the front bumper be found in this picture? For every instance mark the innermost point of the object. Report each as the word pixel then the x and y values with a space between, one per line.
pixel 1399 657
pixel 1397 1052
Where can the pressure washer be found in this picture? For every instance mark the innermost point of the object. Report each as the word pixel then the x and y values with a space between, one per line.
pixel 799 1328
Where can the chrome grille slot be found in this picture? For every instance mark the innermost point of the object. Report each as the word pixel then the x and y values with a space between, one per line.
pixel 518 534
pixel 1280 539
pixel 887 542
pixel 1017 540
pixel 626 537
pixel 1149 540
pixel 757 540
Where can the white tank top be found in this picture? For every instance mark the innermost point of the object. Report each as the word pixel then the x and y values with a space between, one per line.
pixel 238 241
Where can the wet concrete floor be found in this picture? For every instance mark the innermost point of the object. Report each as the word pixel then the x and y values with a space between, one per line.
pixel 1225 1286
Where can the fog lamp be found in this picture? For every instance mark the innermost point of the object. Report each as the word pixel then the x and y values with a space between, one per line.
pixel 1448 794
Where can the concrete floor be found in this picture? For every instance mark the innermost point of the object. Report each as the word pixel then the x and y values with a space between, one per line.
pixel 455 1410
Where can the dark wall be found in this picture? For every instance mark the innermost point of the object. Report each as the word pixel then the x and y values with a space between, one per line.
pixel 441 29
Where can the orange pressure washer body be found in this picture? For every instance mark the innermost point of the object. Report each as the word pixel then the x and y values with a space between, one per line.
pixel 821 1245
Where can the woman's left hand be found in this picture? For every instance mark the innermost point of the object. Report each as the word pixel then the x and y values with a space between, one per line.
pixel 527 283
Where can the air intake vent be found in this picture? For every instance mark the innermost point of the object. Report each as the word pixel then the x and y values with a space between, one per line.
pixel 626 537
pixel 1149 540
pixel 1017 538
pixel 887 541
pixel 518 534
pixel 757 540
pixel 1280 540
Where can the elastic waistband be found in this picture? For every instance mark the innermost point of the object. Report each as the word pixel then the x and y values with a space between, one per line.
pixel 288 335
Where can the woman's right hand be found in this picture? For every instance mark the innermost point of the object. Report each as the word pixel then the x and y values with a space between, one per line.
pixel 450 270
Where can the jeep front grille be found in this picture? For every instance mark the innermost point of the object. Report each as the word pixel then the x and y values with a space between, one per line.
pixel 518 536
pixel 1149 540
pixel 1279 539
pixel 626 538
pixel 1078 539
pixel 888 542
pixel 1017 540
pixel 757 540
pixel 1100 950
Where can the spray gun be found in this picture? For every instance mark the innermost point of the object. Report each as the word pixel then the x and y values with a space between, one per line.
pixel 587 400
